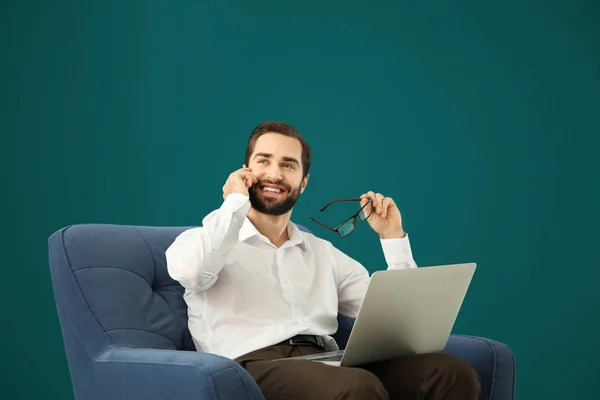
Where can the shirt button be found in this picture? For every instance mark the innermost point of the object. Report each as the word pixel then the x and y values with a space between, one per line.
pixel 285 281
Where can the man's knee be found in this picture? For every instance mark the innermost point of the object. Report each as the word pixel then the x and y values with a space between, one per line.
pixel 456 374
pixel 357 383
pixel 458 368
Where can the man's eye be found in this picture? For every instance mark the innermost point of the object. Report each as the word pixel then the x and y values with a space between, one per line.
pixel 288 166
pixel 262 161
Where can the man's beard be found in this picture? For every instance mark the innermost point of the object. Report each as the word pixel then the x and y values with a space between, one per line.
pixel 273 206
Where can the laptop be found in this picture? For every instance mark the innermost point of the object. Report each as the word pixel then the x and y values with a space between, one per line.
pixel 404 312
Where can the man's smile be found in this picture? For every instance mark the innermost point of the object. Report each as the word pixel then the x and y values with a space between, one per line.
pixel 273 190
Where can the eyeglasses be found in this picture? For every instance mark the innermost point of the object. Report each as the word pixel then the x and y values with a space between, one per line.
pixel 346 227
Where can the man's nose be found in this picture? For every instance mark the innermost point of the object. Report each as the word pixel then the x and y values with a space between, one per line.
pixel 274 172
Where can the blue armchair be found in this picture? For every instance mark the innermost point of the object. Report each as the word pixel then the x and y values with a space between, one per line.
pixel 124 324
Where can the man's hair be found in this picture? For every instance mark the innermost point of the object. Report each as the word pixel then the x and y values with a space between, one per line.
pixel 283 129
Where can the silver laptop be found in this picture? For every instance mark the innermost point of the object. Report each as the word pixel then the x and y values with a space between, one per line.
pixel 404 312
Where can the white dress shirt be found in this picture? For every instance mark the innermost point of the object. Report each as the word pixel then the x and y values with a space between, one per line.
pixel 243 293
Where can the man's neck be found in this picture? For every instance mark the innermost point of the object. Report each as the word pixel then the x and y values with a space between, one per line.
pixel 274 227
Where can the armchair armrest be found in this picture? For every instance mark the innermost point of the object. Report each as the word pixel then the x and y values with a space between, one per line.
pixel 493 361
pixel 122 373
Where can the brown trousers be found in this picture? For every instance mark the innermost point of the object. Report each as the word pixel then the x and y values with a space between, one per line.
pixel 424 377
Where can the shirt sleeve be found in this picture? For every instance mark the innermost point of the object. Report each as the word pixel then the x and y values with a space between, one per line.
pixel 354 278
pixel 398 253
pixel 197 255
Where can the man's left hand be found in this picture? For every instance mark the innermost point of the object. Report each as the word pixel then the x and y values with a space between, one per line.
pixel 385 218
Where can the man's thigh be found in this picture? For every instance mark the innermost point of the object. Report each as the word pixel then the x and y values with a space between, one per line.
pixel 304 379
pixel 428 376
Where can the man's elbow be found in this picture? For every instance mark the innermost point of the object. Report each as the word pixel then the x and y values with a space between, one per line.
pixel 189 276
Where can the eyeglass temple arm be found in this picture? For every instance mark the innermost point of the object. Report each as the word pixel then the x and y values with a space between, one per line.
pixel 323 225
pixel 337 201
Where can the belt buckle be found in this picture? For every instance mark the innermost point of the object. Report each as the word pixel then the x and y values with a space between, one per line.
pixel 320 341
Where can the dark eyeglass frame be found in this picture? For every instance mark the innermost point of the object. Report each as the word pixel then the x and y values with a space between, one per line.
pixel 353 217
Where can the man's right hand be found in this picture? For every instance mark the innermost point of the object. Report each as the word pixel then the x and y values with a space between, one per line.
pixel 239 181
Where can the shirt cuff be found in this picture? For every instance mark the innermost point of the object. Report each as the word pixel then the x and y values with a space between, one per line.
pixel 397 250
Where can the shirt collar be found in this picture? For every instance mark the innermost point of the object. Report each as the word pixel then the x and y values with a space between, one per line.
pixel 248 230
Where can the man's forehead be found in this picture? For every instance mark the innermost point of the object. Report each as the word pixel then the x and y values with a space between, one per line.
pixel 278 145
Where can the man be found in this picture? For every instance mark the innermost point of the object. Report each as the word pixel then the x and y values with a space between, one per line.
pixel 253 280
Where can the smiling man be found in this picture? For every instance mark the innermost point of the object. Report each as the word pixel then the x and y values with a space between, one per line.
pixel 258 289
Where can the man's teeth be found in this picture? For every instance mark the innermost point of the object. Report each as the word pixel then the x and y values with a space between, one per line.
pixel 270 189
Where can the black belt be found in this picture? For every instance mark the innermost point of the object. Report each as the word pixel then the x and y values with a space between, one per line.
pixel 304 340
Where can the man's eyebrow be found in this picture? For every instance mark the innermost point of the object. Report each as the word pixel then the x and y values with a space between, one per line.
pixel 267 155
pixel 291 159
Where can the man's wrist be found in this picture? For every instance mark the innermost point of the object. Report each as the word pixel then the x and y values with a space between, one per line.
pixel 397 234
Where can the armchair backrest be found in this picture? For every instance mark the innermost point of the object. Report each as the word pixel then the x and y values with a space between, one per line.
pixel 111 282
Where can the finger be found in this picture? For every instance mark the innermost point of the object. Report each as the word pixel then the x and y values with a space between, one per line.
pixel 244 174
pixel 252 178
pixel 364 199
pixel 372 197
pixel 244 169
pixel 379 207
pixel 239 175
pixel 386 204
pixel 248 178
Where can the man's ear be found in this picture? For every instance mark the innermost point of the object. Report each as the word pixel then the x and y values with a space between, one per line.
pixel 304 183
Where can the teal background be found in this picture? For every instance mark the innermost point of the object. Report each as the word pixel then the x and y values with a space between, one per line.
pixel 480 119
